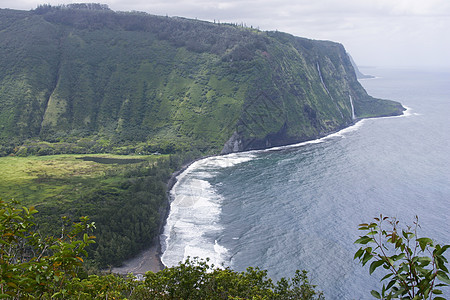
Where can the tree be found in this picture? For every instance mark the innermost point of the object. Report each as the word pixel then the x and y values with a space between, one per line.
pixel 416 266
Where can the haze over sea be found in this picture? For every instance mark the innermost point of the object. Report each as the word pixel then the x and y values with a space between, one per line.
pixel 298 207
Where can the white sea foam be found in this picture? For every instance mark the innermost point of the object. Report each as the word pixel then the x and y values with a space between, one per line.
pixel 408 112
pixel 192 225
pixel 340 133
pixel 369 78
pixel 220 250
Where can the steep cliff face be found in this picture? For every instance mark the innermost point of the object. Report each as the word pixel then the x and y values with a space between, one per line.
pixel 127 78
pixel 305 90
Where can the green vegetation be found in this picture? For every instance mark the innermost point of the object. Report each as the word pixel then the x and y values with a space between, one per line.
pixel 58 178
pixel 414 265
pixel 45 267
pixel 85 79
pixel 126 201
pixel 196 279
pixel 82 79
pixel 38 266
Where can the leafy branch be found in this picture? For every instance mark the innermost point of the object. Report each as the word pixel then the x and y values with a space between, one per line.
pixel 416 266
pixel 31 264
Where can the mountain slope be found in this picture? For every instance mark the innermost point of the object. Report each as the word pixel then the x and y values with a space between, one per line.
pixel 169 84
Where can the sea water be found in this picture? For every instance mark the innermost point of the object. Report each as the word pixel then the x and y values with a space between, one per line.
pixel 298 207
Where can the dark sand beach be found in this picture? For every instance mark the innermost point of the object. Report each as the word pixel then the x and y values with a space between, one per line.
pixel 147 260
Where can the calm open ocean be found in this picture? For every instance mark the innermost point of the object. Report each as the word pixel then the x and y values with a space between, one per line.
pixel 299 207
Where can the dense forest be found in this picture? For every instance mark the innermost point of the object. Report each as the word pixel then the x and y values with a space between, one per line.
pixel 127 211
pixel 125 196
pixel 85 79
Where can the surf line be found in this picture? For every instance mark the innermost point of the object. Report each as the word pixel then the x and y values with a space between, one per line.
pixel 195 207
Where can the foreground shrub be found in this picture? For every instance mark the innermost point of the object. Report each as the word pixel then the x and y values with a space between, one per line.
pixel 195 279
pixel 38 266
pixel 414 265
pixel 46 267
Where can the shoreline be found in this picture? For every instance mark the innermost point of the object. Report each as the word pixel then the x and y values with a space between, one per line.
pixel 165 213
pixel 147 260
pixel 150 259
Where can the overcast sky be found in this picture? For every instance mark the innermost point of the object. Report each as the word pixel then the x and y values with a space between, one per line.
pixel 375 32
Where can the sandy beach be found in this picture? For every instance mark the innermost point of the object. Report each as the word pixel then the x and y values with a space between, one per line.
pixel 147 260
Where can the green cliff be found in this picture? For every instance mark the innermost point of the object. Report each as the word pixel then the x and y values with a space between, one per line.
pixel 102 80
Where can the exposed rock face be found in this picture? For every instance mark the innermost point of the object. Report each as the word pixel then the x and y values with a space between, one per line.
pixel 234 144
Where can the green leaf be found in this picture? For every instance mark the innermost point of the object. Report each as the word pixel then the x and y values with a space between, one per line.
pixel 398 292
pixel 364 240
pixel 375 294
pixel 374 265
pixel 56 294
pixel 441 284
pixel 366 258
pixel 440 262
pixel 423 242
pixel 33 210
pixel 398 257
pixel 442 276
pixel 358 253
pixel 391 283
pixel 442 250
pixel 12 284
pixel 437 292
pixel 424 261
pixel 387 276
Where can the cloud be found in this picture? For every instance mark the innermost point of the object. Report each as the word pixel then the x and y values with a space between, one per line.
pixel 382 32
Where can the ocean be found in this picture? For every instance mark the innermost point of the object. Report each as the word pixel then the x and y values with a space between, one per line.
pixel 299 206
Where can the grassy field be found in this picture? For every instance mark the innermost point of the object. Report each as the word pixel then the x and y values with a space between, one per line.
pixel 39 179
pixel 123 195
